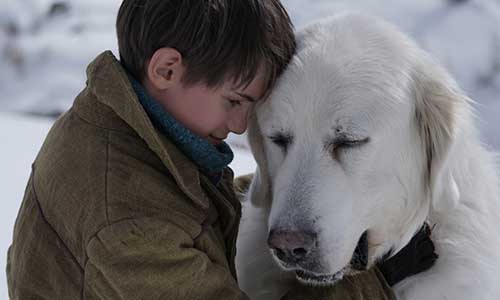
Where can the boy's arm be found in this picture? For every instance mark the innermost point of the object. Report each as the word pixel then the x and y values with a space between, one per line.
pixel 153 259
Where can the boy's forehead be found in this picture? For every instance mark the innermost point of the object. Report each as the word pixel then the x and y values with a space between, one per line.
pixel 254 89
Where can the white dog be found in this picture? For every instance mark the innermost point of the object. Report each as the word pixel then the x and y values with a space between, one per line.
pixel 363 140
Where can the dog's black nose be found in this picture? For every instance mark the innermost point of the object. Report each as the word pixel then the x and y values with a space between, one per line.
pixel 291 246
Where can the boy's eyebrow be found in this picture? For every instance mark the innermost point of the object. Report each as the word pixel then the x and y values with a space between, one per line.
pixel 249 98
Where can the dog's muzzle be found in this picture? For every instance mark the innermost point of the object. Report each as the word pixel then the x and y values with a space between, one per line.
pixel 295 250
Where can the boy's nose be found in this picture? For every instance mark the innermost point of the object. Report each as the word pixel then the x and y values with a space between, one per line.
pixel 238 123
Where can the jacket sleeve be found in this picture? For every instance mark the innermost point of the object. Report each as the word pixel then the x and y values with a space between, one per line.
pixel 369 285
pixel 144 259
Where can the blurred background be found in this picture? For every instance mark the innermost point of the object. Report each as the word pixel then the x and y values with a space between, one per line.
pixel 45 46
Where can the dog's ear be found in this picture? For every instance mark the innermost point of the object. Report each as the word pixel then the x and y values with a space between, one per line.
pixel 259 192
pixel 439 104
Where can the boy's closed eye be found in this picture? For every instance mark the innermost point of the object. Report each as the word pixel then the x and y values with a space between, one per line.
pixel 246 97
pixel 234 102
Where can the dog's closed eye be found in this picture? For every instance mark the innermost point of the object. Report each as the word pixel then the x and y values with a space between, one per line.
pixel 282 140
pixel 344 143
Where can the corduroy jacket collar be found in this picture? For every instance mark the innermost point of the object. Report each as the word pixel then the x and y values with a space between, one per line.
pixel 109 82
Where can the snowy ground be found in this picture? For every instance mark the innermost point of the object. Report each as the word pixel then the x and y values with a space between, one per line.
pixel 45 46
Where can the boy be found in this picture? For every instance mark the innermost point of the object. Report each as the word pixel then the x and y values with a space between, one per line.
pixel 130 196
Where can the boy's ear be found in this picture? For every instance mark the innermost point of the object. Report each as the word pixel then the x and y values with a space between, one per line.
pixel 165 68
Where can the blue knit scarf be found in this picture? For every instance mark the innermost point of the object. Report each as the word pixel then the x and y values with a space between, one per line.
pixel 210 159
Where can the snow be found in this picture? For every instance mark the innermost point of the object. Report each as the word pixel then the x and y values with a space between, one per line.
pixel 44 50
pixel 49 55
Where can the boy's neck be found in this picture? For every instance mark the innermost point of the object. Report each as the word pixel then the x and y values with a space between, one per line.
pixel 210 159
pixel 154 93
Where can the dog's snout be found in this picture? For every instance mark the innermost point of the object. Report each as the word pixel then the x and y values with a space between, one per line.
pixel 291 246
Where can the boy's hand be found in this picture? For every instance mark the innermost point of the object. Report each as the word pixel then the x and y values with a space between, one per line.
pixel 242 184
pixel 416 257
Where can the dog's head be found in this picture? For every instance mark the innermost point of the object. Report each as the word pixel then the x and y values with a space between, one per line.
pixel 352 146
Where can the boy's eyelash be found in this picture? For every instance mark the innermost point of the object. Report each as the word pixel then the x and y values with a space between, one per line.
pixel 234 102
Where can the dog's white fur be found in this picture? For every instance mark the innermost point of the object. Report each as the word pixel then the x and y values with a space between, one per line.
pixel 359 76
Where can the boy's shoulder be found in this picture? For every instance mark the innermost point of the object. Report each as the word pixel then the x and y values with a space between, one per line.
pixel 103 161
pixel 104 172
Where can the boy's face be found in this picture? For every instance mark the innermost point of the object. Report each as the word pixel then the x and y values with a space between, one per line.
pixel 213 113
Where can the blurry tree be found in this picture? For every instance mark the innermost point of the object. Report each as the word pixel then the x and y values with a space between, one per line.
pixel 58 8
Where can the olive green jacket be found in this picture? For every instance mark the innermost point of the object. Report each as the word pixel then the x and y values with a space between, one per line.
pixel 113 210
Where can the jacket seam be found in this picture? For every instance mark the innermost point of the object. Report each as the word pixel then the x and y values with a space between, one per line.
pixel 92 237
pixel 95 235
pixel 210 220
pixel 106 175
pixel 40 209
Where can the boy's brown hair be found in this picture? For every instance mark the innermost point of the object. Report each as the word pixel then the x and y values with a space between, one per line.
pixel 218 39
